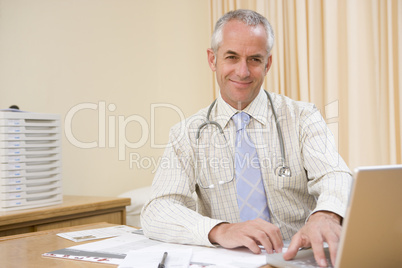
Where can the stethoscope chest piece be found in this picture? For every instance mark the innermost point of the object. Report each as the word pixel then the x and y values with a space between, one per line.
pixel 283 171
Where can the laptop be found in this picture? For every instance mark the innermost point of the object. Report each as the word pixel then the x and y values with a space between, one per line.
pixel 372 228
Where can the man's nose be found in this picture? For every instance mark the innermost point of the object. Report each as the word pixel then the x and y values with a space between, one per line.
pixel 242 69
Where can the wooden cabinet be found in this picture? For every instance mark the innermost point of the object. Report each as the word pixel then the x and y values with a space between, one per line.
pixel 75 210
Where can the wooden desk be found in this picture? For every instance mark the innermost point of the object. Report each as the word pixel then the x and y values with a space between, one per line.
pixel 75 210
pixel 25 250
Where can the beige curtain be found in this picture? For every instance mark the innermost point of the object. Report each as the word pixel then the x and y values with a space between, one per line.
pixel 344 56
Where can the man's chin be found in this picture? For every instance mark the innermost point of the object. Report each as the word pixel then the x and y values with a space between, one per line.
pixel 239 99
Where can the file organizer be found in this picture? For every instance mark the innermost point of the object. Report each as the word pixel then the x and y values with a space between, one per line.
pixel 30 160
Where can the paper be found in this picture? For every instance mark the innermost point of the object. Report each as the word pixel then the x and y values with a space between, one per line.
pixel 151 259
pixel 99 233
pixel 81 255
pixel 241 257
pixel 113 251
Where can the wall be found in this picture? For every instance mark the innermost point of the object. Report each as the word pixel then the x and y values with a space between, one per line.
pixel 103 65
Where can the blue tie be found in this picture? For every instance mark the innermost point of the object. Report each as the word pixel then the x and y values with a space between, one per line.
pixel 250 189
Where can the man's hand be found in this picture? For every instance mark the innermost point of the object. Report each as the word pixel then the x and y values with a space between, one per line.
pixel 250 234
pixel 322 226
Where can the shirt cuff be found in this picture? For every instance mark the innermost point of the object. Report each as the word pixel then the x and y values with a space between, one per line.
pixel 341 211
pixel 202 230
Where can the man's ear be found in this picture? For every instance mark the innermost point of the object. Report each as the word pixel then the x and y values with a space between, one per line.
pixel 269 63
pixel 211 59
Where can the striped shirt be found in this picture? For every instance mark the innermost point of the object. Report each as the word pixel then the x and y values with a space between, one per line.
pixel 182 207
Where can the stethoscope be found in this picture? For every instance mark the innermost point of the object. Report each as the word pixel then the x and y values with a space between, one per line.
pixel 282 170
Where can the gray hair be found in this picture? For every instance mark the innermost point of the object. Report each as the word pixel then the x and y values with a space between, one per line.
pixel 249 17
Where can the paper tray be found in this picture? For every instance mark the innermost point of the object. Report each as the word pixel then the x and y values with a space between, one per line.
pixel 26 204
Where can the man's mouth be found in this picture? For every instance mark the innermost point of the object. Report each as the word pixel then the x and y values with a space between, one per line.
pixel 241 83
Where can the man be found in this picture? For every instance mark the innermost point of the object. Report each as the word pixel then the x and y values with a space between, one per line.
pixel 203 204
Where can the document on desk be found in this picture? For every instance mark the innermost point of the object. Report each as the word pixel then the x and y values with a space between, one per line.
pixel 92 234
pixel 114 250
pixel 150 259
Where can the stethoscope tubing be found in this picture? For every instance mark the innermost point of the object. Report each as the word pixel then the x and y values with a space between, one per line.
pixel 282 170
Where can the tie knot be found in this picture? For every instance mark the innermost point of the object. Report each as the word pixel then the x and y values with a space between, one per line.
pixel 241 120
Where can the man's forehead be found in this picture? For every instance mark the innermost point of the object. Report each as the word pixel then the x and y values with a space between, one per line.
pixel 243 50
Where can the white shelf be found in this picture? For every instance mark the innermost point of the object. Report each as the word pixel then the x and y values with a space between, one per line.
pixel 30 160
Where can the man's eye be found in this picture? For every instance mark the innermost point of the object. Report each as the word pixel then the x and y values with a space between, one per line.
pixel 231 57
pixel 256 60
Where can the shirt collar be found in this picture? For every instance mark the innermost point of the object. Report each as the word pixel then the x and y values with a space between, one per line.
pixel 258 109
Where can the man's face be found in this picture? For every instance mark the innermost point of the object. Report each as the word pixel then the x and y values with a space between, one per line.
pixel 241 64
